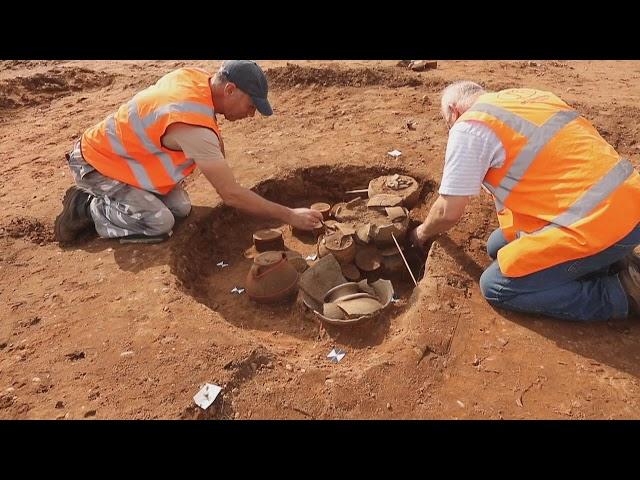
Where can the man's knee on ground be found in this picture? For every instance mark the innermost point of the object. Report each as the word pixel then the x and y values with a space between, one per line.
pixel 489 284
pixel 178 202
pixel 181 210
pixel 159 223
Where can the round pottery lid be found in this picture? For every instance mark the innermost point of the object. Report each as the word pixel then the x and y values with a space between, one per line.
pixel 266 234
pixel 268 258
pixel 338 241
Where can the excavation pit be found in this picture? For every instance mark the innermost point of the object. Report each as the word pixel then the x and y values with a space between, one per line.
pixel 224 236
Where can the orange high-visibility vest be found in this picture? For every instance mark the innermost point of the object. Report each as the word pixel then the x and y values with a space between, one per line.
pixel 563 192
pixel 126 146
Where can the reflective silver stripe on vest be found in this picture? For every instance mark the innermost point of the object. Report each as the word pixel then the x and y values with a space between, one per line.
pixel 182 107
pixel 174 172
pixel 139 126
pixel 136 167
pixel 537 138
pixel 530 151
pixel 519 124
pixel 592 197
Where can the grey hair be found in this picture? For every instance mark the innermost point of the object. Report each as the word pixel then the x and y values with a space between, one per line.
pixel 220 78
pixel 462 94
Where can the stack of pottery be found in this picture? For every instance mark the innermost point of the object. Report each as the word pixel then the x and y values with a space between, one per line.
pixel 407 188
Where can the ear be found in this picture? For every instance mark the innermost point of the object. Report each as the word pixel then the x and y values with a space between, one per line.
pixel 229 88
pixel 454 113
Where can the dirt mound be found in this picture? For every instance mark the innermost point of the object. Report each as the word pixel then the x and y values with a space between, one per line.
pixel 30 228
pixel 16 64
pixel 41 88
pixel 292 75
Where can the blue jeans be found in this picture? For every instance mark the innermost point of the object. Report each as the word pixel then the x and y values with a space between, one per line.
pixel 582 289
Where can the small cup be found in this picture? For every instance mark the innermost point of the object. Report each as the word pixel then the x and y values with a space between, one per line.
pixel 323 208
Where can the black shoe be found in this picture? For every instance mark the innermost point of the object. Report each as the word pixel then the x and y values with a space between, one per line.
pixel 75 217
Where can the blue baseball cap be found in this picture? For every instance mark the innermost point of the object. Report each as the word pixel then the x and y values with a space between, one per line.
pixel 249 78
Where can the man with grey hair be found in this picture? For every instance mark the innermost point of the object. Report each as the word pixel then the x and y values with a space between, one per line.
pixel 129 168
pixel 568 205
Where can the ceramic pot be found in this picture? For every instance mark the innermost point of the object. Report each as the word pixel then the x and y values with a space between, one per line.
pixel 272 278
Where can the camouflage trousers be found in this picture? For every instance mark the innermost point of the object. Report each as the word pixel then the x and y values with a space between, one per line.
pixel 120 210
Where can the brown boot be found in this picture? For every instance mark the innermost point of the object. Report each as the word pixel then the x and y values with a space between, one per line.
pixel 630 280
pixel 633 257
pixel 75 217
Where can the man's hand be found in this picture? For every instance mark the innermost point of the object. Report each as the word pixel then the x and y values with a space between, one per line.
pixel 415 251
pixel 444 214
pixel 305 218
pixel 416 239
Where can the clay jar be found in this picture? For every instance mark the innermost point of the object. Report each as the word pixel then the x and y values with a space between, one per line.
pixel 341 246
pixel 325 210
pixel 392 261
pixel 335 210
pixel 272 278
pixel 268 240
pixel 382 233
pixel 368 259
pixel 297 260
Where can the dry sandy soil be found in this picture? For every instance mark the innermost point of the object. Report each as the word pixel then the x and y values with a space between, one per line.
pixel 103 330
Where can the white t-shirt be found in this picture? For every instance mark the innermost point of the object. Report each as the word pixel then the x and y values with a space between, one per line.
pixel 472 148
